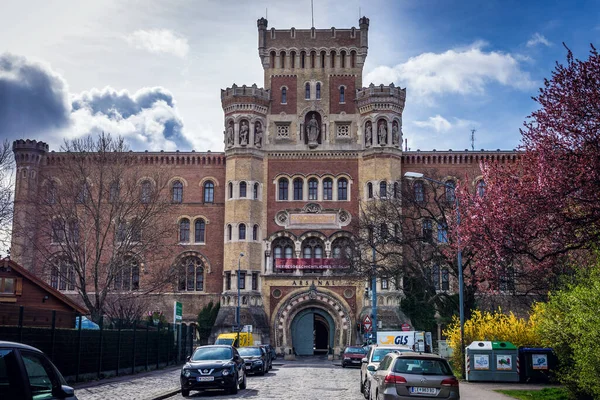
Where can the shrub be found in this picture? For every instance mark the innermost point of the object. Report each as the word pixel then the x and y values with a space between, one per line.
pixel 494 326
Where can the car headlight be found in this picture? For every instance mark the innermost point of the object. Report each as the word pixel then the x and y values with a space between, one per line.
pixel 258 362
pixel 187 373
pixel 226 372
pixel 346 358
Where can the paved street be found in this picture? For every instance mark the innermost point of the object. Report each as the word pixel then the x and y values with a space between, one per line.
pixel 304 379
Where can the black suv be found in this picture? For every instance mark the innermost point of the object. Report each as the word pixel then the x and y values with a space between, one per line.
pixel 213 367
pixel 256 359
pixel 268 355
pixel 26 373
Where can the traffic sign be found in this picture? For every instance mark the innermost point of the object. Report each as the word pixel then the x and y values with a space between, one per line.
pixel 405 327
pixel 367 323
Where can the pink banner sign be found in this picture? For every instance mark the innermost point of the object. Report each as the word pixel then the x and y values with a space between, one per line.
pixel 310 263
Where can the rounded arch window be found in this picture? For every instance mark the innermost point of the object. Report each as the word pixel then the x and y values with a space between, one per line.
pixel 199 230
pixel 370 190
pixel 312 247
pixel 318 91
pixel 342 192
pixel 283 95
pixel 255 232
pixel 283 248
pixel 184 230
pixel 243 189
pixel 255 191
pixel 480 188
pixel 298 188
pixel 209 192
pixel 307 91
pixel 313 189
pixel 450 191
pixel 342 248
pixel 283 188
pixel 242 232
pixel 177 192
pixel 327 189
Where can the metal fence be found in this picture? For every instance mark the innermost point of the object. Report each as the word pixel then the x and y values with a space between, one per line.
pixel 116 348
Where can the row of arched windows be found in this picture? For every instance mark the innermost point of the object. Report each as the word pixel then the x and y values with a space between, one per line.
pixel 385 190
pixel 313 189
pixel 243 188
pixel 187 235
pixel 208 192
pixel 313 59
pixel 242 234
pixel 449 190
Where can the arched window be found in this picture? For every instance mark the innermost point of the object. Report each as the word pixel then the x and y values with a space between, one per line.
pixel 427 230
pixel 419 192
pixel 242 189
pixel 283 189
pixel 343 59
pixel 442 232
pixel 313 189
pixel 62 275
pixel 307 91
pixel 318 92
pixel 370 190
pixel 342 248
pixel 73 231
pixel 283 95
pixel 435 276
pixel 255 191
pixel 146 192
pixel 242 232
pixel 313 57
pixel 272 59
pixel 184 230
pixel 293 59
pixel 342 94
pixel 322 59
pixel 383 230
pixel 383 190
pixel 312 248
pixel 302 59
pixel 230 190
pixel 114 192
pixel 191 274
pixel 282 59
pixel 255 232
pixel 481 187
pixel 352 59
pixel 327 189
pixel 298 188
pixel 199 231
pixel 51 192
pixel 342 189
pixel 229 232
pixel 332 59
pixel 282 248
pixel 58 230
pixel 450 191
pixel 177 192
pixel 396 191
pixel 209 192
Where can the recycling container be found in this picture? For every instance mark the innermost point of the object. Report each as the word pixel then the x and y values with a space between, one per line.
pixel 537 364
pixel 491 362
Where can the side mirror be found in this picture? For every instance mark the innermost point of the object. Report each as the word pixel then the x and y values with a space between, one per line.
pixel 66 391
pixel 188 358
pixel 371 368
pixel 364 360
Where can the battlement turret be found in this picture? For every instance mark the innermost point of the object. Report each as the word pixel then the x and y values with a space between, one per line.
pixel 245 111
pixel 381 98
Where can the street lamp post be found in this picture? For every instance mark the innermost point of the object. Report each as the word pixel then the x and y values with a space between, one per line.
pixel 237 310
pixel 374 295
pixel 417 175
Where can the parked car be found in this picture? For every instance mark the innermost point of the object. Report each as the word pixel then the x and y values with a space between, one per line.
pixel 255 359
pixel 26 373
pixel 408 375
pixel 353 355
pixel 268 355
pixel 213 367
pixel 272 351
pixel 371 361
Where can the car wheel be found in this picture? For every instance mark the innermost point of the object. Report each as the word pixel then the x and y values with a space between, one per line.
pixel 243 384
pixel 362 385
pixel 234 389
pixel 263 370
pixel 367 390
pixel 185 393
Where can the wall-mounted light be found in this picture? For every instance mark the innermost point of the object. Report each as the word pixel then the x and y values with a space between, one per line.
pixel 45 298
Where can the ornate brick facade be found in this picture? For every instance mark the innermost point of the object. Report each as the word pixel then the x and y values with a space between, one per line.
pixel 299 157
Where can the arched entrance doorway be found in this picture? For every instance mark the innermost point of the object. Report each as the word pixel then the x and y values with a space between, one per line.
pixel 313 332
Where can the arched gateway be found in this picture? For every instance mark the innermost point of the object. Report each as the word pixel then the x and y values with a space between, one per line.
pixel 312 321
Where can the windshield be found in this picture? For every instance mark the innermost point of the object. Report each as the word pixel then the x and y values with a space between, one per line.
pixel 422 366
pixel 378 354
pixel 249 351
pixel 355 350
pixel 212 353
pixel 228 342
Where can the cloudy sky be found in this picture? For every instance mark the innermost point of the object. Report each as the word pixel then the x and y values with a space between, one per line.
pixel 152 70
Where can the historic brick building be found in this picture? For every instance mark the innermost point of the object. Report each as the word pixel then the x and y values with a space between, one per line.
pixel 300 156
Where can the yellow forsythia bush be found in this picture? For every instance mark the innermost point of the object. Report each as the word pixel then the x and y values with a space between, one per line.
pixel 496 326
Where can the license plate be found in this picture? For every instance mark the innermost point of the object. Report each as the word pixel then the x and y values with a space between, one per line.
pixel 206 378
pixel 248 367
pixel 355 361
pixel 423 390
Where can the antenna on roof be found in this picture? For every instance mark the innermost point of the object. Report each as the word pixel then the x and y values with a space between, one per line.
pixel 473 139
pixel 358 12
pixel 266 13
pixel 312 14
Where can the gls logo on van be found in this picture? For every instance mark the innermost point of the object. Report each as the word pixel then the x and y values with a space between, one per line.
pixel 402 339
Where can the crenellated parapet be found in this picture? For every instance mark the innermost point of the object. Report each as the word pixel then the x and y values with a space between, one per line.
pixel 381 98
pixel 29 151
pixel 245 109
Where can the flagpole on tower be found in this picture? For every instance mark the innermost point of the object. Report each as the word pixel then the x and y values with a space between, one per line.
pixel 312 14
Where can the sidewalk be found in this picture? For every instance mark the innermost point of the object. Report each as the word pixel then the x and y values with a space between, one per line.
pixel 163 383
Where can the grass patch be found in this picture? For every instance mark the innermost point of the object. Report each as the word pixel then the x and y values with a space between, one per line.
pixel 544 394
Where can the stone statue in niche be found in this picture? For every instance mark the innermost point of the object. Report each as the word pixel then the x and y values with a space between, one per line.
pixel 229 135
pixel 382 133
pixel 244 133
pixel 368 134
pixel 258 134
pixel 395 133
pixel 312 131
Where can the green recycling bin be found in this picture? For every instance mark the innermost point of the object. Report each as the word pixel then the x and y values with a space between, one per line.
pixel 491 362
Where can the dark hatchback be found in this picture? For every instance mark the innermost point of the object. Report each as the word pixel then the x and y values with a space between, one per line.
pixel 353 355
pixel 26 373
pixel 255 359
pixel 213 367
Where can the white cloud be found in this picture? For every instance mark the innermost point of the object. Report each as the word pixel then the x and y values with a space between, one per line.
pixel 159 41
pixel 441 124
pixel 457 71
pixel 538 39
